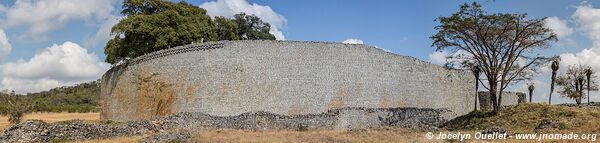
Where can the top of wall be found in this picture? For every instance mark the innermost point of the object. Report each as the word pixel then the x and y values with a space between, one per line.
pixel 221 44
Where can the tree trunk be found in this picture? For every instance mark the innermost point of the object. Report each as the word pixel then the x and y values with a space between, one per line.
pixel 580 92
pixel 493 96
pixel 588 89
pixel 499 100
pixel 551 88
pixel 530 95
pixel 476 91
pixel 578 97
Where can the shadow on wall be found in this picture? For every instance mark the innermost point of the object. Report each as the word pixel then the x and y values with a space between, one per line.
pixel 508 98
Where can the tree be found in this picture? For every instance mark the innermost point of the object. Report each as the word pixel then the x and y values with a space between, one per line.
pixel 476 72
pixel 242 27
pixel 152 25
pixel 531 87
pixel 226 28
pixel 498 43
pixel 588 75
pixel 555 66
pixel 15 109
pixel 572 83
pixel 252 28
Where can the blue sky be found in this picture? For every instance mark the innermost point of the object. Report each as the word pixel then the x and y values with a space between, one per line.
pixel 46 35
pixel 400 26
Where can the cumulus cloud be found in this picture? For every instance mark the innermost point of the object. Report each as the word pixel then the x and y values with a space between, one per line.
pixel 43 16
pixel 560 27
pixel 5 46
pixel 58 65
pixel 228 8
pixel 588 20
pixel 352 41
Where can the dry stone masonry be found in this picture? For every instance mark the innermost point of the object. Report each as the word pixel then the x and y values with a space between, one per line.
pixel 229 78
pixel 508 99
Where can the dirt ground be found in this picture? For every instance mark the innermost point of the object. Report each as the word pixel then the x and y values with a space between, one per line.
pixel 52 117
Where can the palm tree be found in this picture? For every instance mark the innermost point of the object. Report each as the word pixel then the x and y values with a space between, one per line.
pixel 554 67
pixel 588 75
pixel 530 88
pixel 476 71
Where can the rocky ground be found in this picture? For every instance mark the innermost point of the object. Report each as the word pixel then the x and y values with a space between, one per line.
pixel 178 127
pixel 342 125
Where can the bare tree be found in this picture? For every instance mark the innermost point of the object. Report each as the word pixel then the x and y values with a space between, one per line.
pixel 476 73
pixel 572 83
pixel 500 44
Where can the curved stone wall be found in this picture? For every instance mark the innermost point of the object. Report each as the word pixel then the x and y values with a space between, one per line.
pixel 284 77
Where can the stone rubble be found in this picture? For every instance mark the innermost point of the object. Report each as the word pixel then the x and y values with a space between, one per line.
pixel 343 119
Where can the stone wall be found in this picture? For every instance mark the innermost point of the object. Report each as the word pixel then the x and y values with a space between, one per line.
pixel 229 78
pixel 508 98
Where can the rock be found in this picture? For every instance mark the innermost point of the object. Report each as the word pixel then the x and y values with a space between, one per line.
pixel 421 119
pixel 38 131
pixel 546 125
pixel 28 131
pixel 492 130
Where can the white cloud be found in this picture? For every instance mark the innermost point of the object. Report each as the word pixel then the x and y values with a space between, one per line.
pixel 43 16
pixel 441 57
pixel 588 21
pixel 560 27
pixel 352 41
pixel 5 46
pixel 57 65
pixel 438 57
pixel 228 8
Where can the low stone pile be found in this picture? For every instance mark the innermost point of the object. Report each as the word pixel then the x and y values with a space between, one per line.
pixel 38 131
pixel 494 130
pixel 163 128
pixel 547 125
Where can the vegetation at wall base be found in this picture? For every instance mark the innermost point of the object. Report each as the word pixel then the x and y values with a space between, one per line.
pixel 83 97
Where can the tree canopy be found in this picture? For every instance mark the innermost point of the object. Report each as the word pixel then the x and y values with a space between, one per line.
pixel 500 44
pixel 152 25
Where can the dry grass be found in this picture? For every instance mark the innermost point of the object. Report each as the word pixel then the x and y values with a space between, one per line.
pixel 52 117
pixel 133 139
pixel 321 136
pixel 519 119
pixel 318 136
pixel 524 118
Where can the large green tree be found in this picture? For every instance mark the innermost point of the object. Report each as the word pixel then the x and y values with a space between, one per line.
pixel 502 45
pixel 252 28
pixel 152 25
pixel 242 27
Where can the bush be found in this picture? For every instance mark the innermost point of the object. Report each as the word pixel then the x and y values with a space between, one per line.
pixel 84 97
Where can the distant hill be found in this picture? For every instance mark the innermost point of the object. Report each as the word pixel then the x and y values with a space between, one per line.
pixel 84 97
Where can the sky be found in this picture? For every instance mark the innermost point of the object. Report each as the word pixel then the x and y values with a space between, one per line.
pixel 51 43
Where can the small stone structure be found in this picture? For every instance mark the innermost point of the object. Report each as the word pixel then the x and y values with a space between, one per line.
pixel 229 78
pixel 508 98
